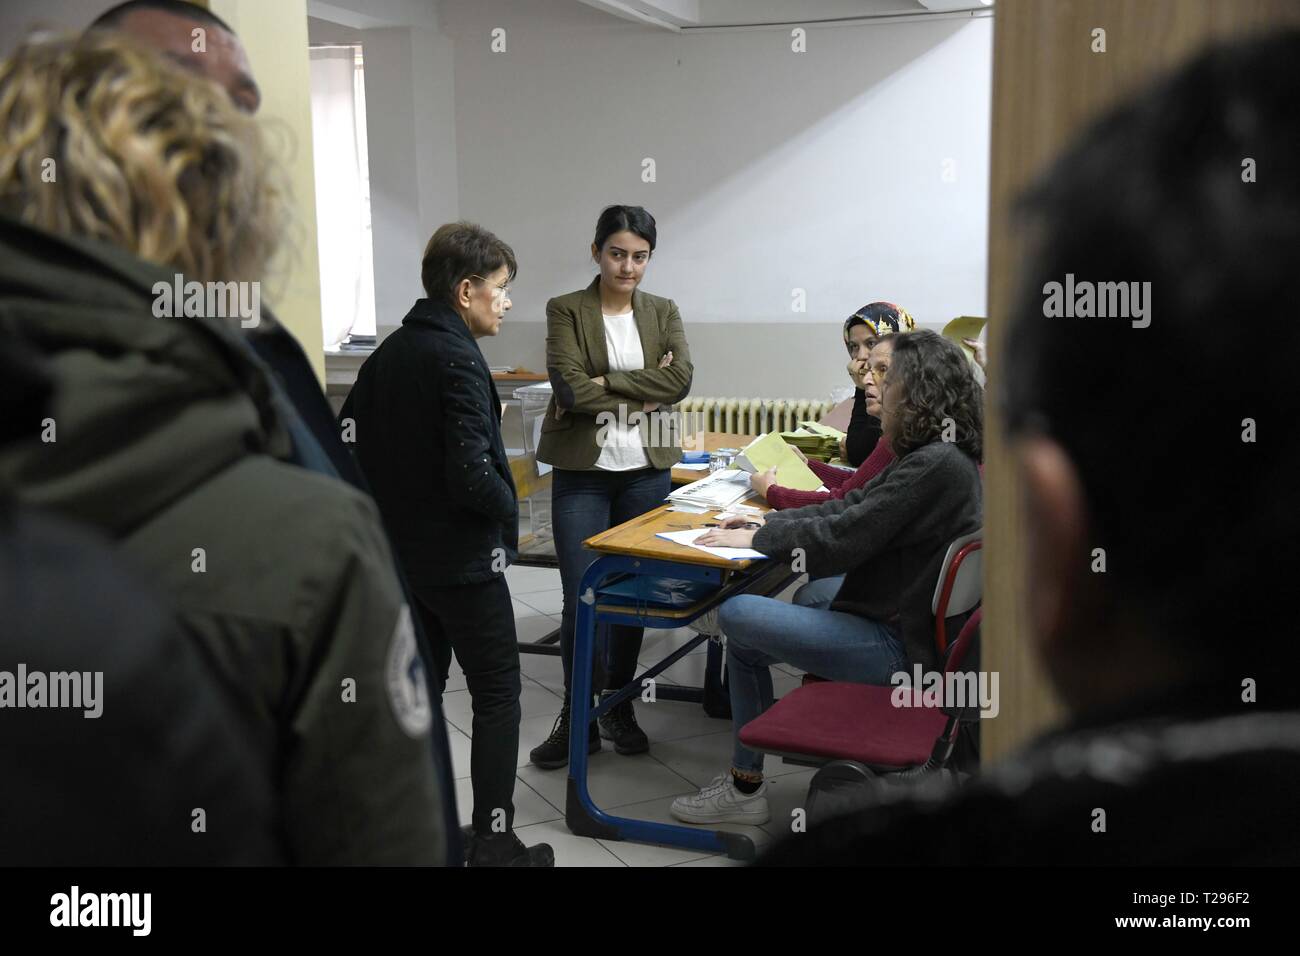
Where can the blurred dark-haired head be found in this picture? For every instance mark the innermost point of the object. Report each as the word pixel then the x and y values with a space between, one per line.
pixel 1160 459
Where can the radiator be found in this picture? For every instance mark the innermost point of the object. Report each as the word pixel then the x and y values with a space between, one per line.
pixel 748 416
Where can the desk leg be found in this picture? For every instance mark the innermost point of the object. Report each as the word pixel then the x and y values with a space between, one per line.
pixel 717 698
pixel 581 814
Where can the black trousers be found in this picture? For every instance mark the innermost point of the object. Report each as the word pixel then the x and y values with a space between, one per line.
pixel 477 622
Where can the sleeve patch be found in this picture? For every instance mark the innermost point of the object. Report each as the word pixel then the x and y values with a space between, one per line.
pixel 408 688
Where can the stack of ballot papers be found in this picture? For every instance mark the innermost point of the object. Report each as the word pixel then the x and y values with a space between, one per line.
pixel 819 442
pixel 715 491
pixel 770 450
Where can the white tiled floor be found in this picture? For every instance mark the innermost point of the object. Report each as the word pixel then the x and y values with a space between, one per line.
pixel 687 747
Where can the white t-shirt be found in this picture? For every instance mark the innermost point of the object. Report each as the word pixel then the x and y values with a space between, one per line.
pixel 622 450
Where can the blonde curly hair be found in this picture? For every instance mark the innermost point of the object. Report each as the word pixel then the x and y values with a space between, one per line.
pixel 145 155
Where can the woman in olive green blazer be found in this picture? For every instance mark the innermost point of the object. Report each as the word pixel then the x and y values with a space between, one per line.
pixel 615 355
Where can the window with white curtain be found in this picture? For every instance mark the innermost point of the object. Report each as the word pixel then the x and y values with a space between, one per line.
pixel 347 273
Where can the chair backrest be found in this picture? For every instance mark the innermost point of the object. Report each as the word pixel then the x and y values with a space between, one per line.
pixel 960 585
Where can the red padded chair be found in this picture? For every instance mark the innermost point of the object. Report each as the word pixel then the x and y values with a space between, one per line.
pixel 836 720
pixel 826 721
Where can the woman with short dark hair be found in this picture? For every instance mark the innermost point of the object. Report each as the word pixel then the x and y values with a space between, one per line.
pixel 427 422
pixel 889 540
pixel 615 356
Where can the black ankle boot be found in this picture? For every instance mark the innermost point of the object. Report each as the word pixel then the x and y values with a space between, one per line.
pixel 553 752
pixel 620 726
pixel 506 849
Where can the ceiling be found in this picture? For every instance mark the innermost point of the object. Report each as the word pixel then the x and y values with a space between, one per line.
pixel 664 14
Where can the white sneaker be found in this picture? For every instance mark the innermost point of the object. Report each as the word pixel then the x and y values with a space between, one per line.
pixel 721 802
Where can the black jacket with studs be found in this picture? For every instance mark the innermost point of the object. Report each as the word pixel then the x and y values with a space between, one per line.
pixel 426 428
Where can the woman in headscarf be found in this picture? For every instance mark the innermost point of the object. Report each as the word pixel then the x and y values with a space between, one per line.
pixel 861 329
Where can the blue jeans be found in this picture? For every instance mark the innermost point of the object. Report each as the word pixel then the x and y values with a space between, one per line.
pixel 818 592
pixel 763 631
pixel 585 503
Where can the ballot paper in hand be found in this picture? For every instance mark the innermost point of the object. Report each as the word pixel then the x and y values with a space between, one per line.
pixel 688 538
pixel 771 450
pixel 965 327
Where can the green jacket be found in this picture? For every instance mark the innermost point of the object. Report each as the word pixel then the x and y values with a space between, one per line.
pixel 575 354
pixel 166 439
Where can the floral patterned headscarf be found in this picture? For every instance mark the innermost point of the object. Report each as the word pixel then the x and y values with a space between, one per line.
pixel 881 318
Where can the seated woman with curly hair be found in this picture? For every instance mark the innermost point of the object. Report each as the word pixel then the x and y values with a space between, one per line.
pixel 888 538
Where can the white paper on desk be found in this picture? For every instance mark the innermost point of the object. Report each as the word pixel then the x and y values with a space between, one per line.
pixel 692 465
pixel 688 538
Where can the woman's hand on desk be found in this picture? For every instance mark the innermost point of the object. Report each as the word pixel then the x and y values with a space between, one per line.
pixel 760 483
pixel 727 538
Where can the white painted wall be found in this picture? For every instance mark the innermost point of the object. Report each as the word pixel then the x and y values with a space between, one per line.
pixel 775 171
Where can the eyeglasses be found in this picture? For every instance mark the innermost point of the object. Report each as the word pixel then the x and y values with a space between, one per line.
pixel 502 290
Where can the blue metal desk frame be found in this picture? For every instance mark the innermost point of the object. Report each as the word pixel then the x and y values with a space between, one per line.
pixel 582 815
